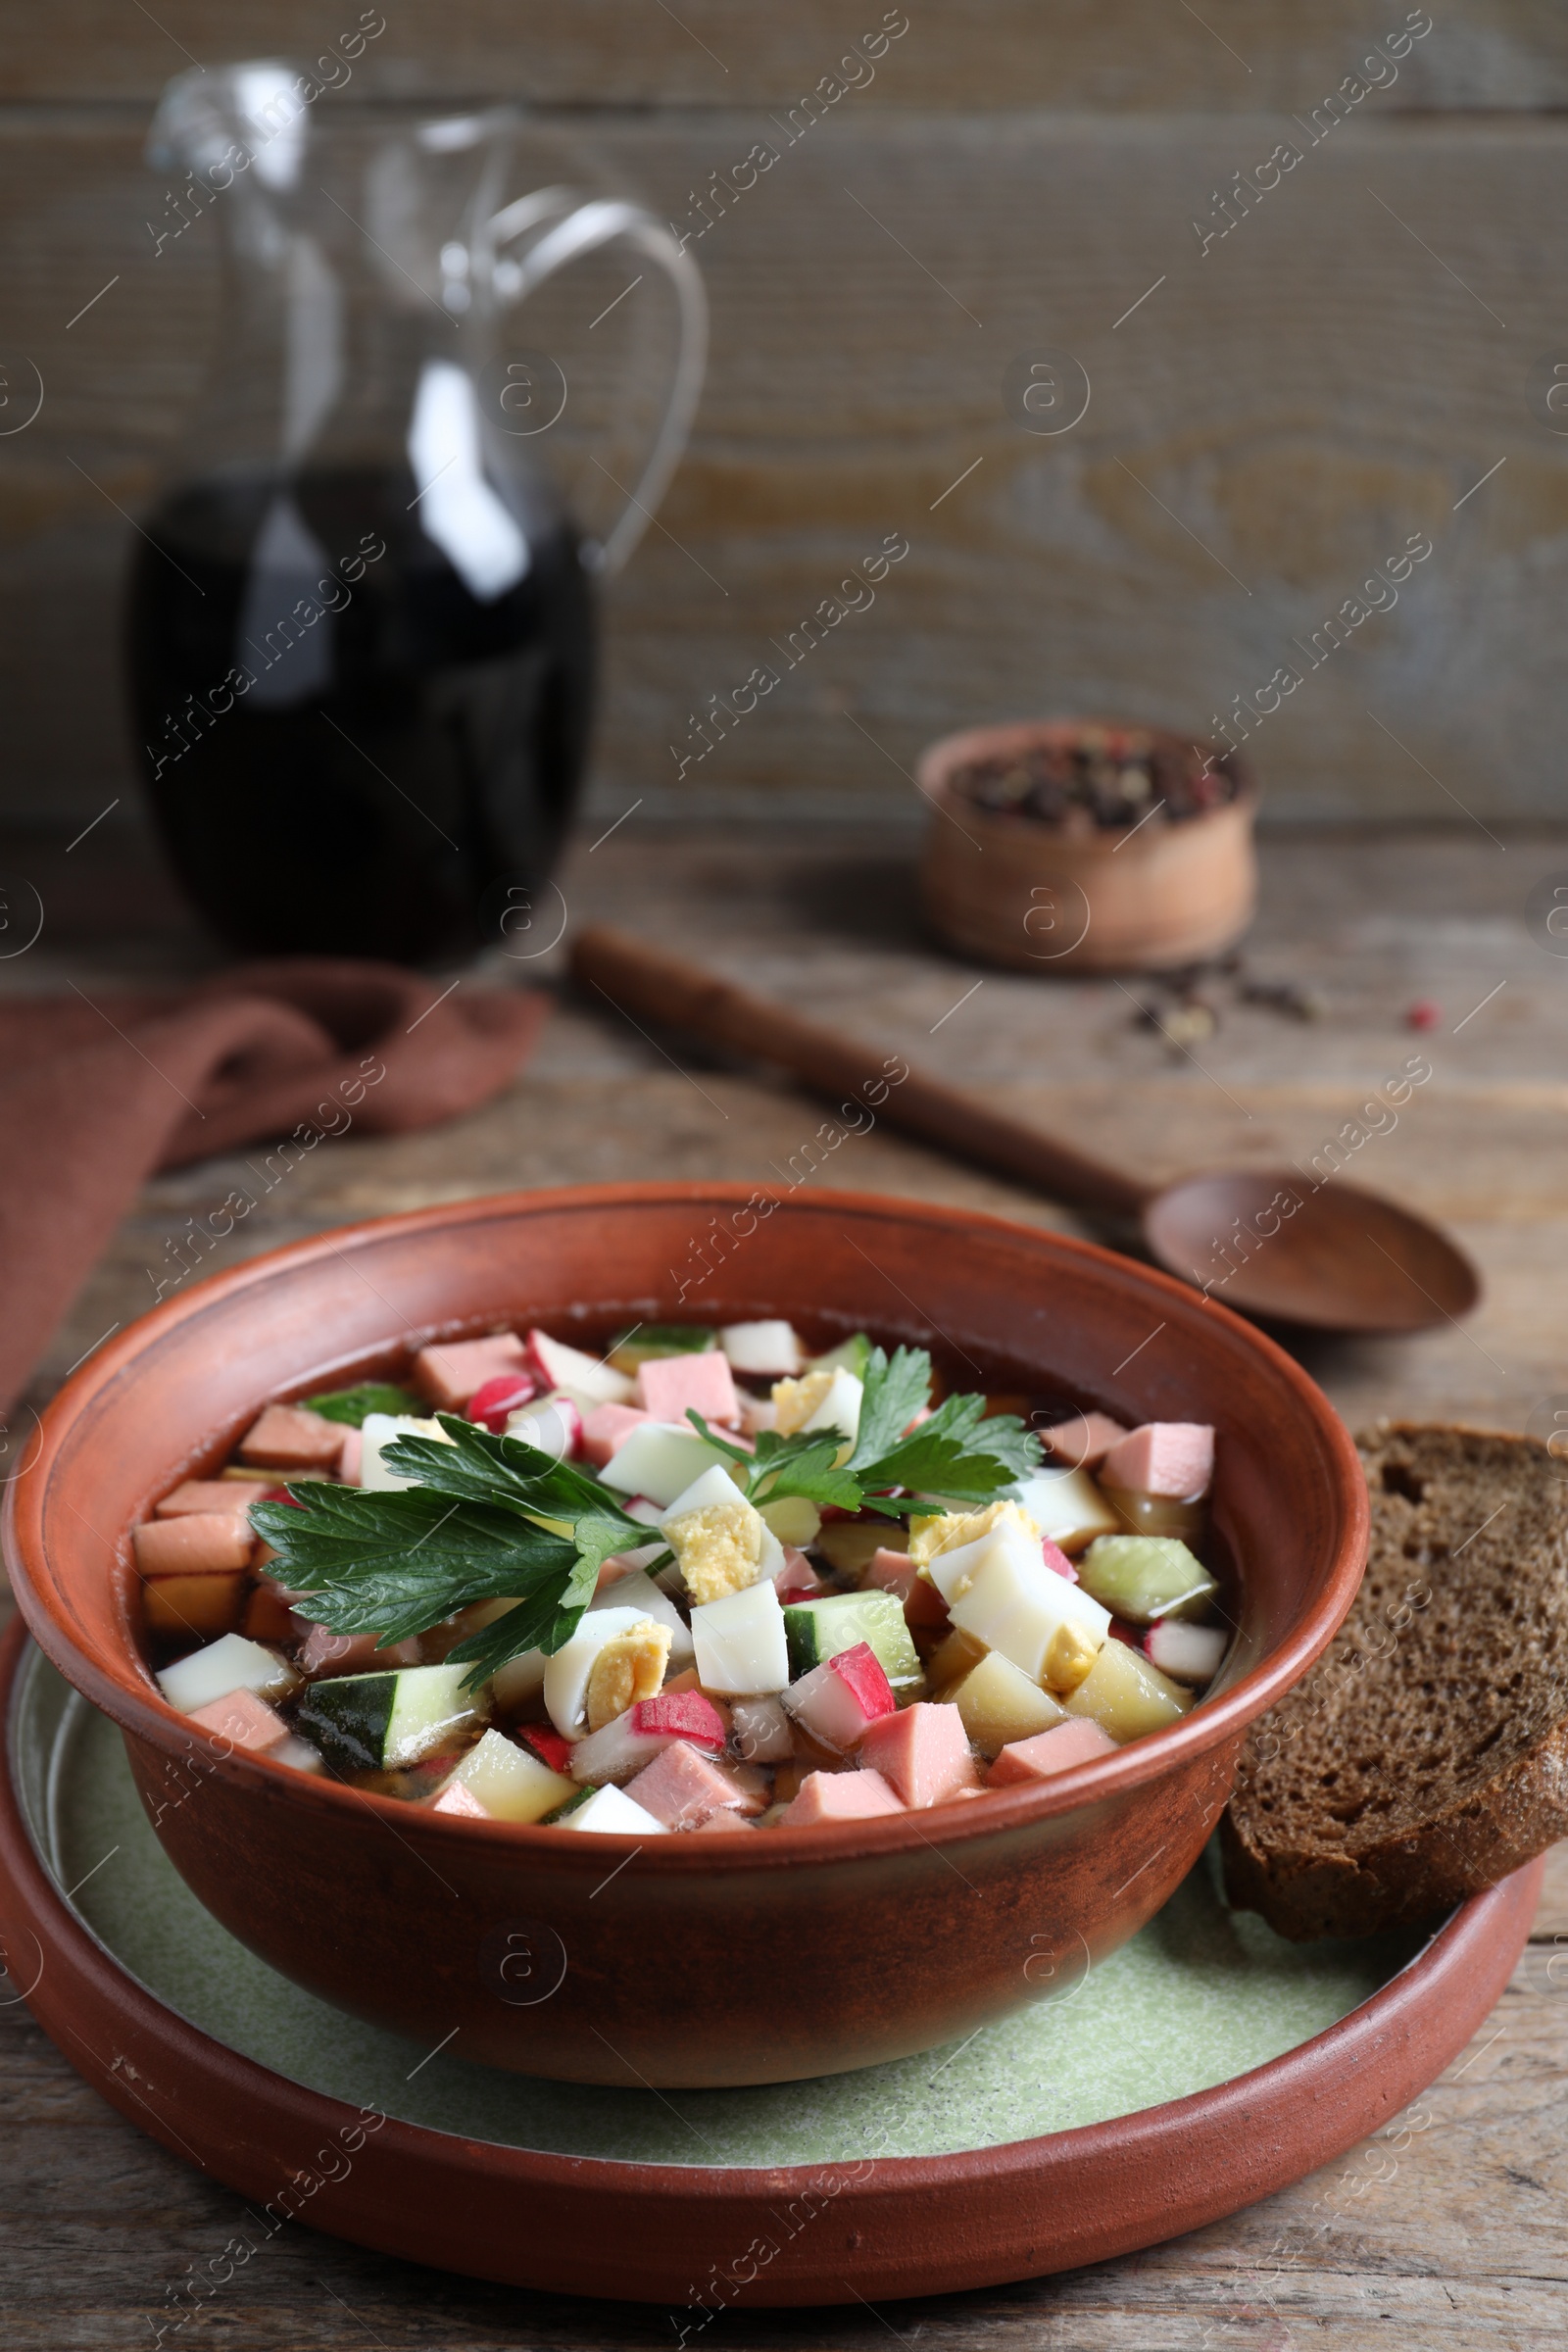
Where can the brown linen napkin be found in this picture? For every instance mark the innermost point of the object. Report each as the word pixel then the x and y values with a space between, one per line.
pixel 99 1090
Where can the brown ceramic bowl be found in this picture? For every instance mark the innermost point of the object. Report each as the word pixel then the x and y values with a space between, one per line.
pixel 1009 890
pixel 687 1961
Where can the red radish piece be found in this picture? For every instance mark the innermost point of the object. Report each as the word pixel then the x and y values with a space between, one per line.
pixel 684 1714
pixel 559 1366
pixel 604 1429
pixel 838 1797
pixel 1065 1744
pixel 554 1426
pixel 457 1797
pixel 1172 1458
pixel 1056 1560
pixel 1121 1630
pixel 548 1744
pixel 508 1394
pixel 838 1702
pixel 922 1752
pixel 1083 1440
pixel 1423 1014
pixel 668 1384
pixel 895 1573
pixel 682 1788
pixel 1188 1653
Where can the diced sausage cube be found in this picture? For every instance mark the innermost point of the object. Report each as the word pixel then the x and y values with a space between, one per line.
pixel 1083 1440
pixel 186 1547
pixel 289 1436
pixel 185 1606
pixel 1173 1458
pixel 667 1384
pixel 224 1497
pixel 1047 1752
pixel 606 1426
pixel 682 1788
pixel 838 1797
pixel 243 1720
pixel 895 1573
pixel 449 1374
pixel 922 1752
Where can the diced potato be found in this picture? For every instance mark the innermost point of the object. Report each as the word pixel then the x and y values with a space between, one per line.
pixel 998 1703
pixel 508 1783
pixel 793 1519
pixel 194 1605
pixel 848 1544
pixel 1127 1697
pixel 954 1657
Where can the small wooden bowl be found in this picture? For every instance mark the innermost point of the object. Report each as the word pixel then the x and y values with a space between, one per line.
pixel 1019 893
pixel 696 1960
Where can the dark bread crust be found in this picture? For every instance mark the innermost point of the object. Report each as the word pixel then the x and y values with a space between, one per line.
pixel 1426 1755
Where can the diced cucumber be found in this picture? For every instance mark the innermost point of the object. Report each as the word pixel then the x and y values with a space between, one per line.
pixel 646 1341
pixel 818 1629
pixel 379 1722
pixel 371 1397
pixel 852 1355
pixel 1145 1577
pixel 1126 1696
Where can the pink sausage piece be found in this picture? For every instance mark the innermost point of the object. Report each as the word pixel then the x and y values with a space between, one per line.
pixel 1057 1750
pixel 350 1653
pixel 606 1428
pixel 449 1375
pixel 838 1797
pixel 243 1720
pixel 1173 1458
pixel 683 1789
pixel 228 1498
pixel 1083 1440
pixel 289 1436
pixel 922 1752
pixel 894 1572
pixel 202 1541
pixel 667 1384
pixel 457 1797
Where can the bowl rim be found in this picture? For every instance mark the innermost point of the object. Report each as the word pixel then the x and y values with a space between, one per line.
pixel 130 1697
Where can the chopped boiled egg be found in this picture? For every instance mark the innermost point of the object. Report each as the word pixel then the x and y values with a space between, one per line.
pixel 722 1544
pixel 954 1528
pixel 1001 1591
pixel 763 1350
pixel 741 1644
pixel 827 1399
pixel 614 1657
pixel 659 1459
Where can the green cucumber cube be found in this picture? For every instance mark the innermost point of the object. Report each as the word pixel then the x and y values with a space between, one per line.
pixel 380 1721
pixel 647 1340
pixel 852 1355
pixel 1145 1577
pixel 818 1629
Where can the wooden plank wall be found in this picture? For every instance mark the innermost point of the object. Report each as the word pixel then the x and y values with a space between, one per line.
pixel 1287 405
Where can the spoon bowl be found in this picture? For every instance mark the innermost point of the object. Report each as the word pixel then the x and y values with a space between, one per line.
pixel 1328 1256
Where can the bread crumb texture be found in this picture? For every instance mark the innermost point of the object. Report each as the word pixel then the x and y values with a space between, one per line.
pixel 1426 1754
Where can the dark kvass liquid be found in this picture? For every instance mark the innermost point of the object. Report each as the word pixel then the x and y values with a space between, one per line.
pixel 397 776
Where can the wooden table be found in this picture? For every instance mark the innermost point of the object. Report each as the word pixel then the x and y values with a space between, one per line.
pixel 1458 2241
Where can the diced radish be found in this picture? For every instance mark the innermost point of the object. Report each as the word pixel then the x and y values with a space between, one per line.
pixel 1174 1459
pixel 1057 1750
pixel 895 1573
pixel 554 1425
pixel 922 1752
pixel 201 1541
pixel 766 1351
pixel 682 1788
pixel 1056 1560
pixel 761 1730
pixel 612 1810
pixel 350 1457
pixel 241 1719
pixel 561 1368
pixel 668 1387
pixel 838 1797
pixel 456 1799
pixel 838 1702
pixel 491 1403
pixel 685 1714
pixel 1083 1440
pixel 289 1436
pixel 604 1429
pixel 1187 1654
pixel 451 1373
pixel 547 1744
pixel 231 1664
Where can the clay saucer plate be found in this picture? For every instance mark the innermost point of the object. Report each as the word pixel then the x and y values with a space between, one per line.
pixel 1202 2065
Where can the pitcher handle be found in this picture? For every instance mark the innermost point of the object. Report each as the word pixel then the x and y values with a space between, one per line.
pixel 584 229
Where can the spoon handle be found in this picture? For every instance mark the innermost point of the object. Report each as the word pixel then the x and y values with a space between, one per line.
pixel 645 983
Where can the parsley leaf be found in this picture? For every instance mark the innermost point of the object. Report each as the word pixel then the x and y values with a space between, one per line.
pixel 492 1519
pixel 371 1397
pixel 802 1464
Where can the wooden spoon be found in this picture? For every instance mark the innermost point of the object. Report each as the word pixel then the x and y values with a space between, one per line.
pixel 1268 1241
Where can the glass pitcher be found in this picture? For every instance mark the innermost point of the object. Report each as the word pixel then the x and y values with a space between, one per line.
pixel 362 613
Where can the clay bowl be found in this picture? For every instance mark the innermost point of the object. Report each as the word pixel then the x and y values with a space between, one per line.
pixel 1011 891
pixel 687 1961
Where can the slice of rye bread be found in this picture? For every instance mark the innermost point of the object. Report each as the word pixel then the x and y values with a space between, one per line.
pixel 1426 1755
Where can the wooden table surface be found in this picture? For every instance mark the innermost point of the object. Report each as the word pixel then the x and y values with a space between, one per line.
pixel 1456 2240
